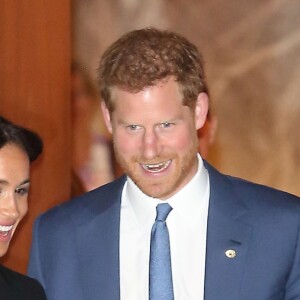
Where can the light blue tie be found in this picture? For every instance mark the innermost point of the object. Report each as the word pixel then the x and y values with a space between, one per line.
pixel 160 271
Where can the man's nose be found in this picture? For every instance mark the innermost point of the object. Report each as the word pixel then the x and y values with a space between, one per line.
pixel 151 145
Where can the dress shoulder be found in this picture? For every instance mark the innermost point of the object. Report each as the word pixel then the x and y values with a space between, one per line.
pixel 16 286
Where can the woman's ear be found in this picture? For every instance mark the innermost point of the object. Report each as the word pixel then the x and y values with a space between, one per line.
pixel 106 116
pixel 201 109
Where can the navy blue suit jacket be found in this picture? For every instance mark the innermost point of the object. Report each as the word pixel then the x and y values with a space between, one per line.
pixel 75 250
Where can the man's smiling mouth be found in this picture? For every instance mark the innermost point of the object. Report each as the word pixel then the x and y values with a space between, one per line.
pixel 156 168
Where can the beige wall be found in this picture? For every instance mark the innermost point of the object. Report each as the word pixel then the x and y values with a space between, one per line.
pixel 252 54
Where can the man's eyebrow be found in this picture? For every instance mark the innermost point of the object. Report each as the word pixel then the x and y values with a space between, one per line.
pixel 126 123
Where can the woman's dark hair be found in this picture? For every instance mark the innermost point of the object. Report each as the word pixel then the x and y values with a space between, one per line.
pixel 26 139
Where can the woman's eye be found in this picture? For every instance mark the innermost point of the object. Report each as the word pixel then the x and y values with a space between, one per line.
pixel 22 191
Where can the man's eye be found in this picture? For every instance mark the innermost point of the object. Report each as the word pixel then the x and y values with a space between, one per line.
pixel 132 127
pixel 166 124
pixel 2 194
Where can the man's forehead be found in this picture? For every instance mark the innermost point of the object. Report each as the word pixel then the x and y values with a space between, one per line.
pixel 118 92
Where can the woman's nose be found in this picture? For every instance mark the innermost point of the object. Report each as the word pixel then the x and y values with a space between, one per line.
pixel 8 205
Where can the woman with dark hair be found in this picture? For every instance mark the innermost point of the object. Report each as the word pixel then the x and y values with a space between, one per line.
pixel 18 148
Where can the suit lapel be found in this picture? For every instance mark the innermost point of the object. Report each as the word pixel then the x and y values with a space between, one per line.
pixel 228 240
pixel 98 245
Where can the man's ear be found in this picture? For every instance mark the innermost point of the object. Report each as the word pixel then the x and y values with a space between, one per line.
pixel 106 116
pixel 201 110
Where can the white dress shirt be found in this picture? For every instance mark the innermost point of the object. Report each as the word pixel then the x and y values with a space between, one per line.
pixel 187 224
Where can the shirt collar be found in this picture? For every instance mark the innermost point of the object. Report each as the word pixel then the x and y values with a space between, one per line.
pixel 190 202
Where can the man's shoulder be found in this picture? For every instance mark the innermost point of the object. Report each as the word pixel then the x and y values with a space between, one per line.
pixel 251 193
pixel 263 194
pixel 93 201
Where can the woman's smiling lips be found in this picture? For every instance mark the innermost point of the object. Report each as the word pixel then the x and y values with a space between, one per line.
pixel 5 230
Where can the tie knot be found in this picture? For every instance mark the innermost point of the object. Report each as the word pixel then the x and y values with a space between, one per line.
pixel 162 211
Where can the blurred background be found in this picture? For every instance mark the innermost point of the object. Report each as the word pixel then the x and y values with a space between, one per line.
pixel 49 56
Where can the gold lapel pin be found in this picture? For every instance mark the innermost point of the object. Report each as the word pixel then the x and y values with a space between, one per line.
pixel 230 253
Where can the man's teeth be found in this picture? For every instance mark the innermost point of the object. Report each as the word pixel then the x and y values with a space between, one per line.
pixel 5 229
pixel 154 168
